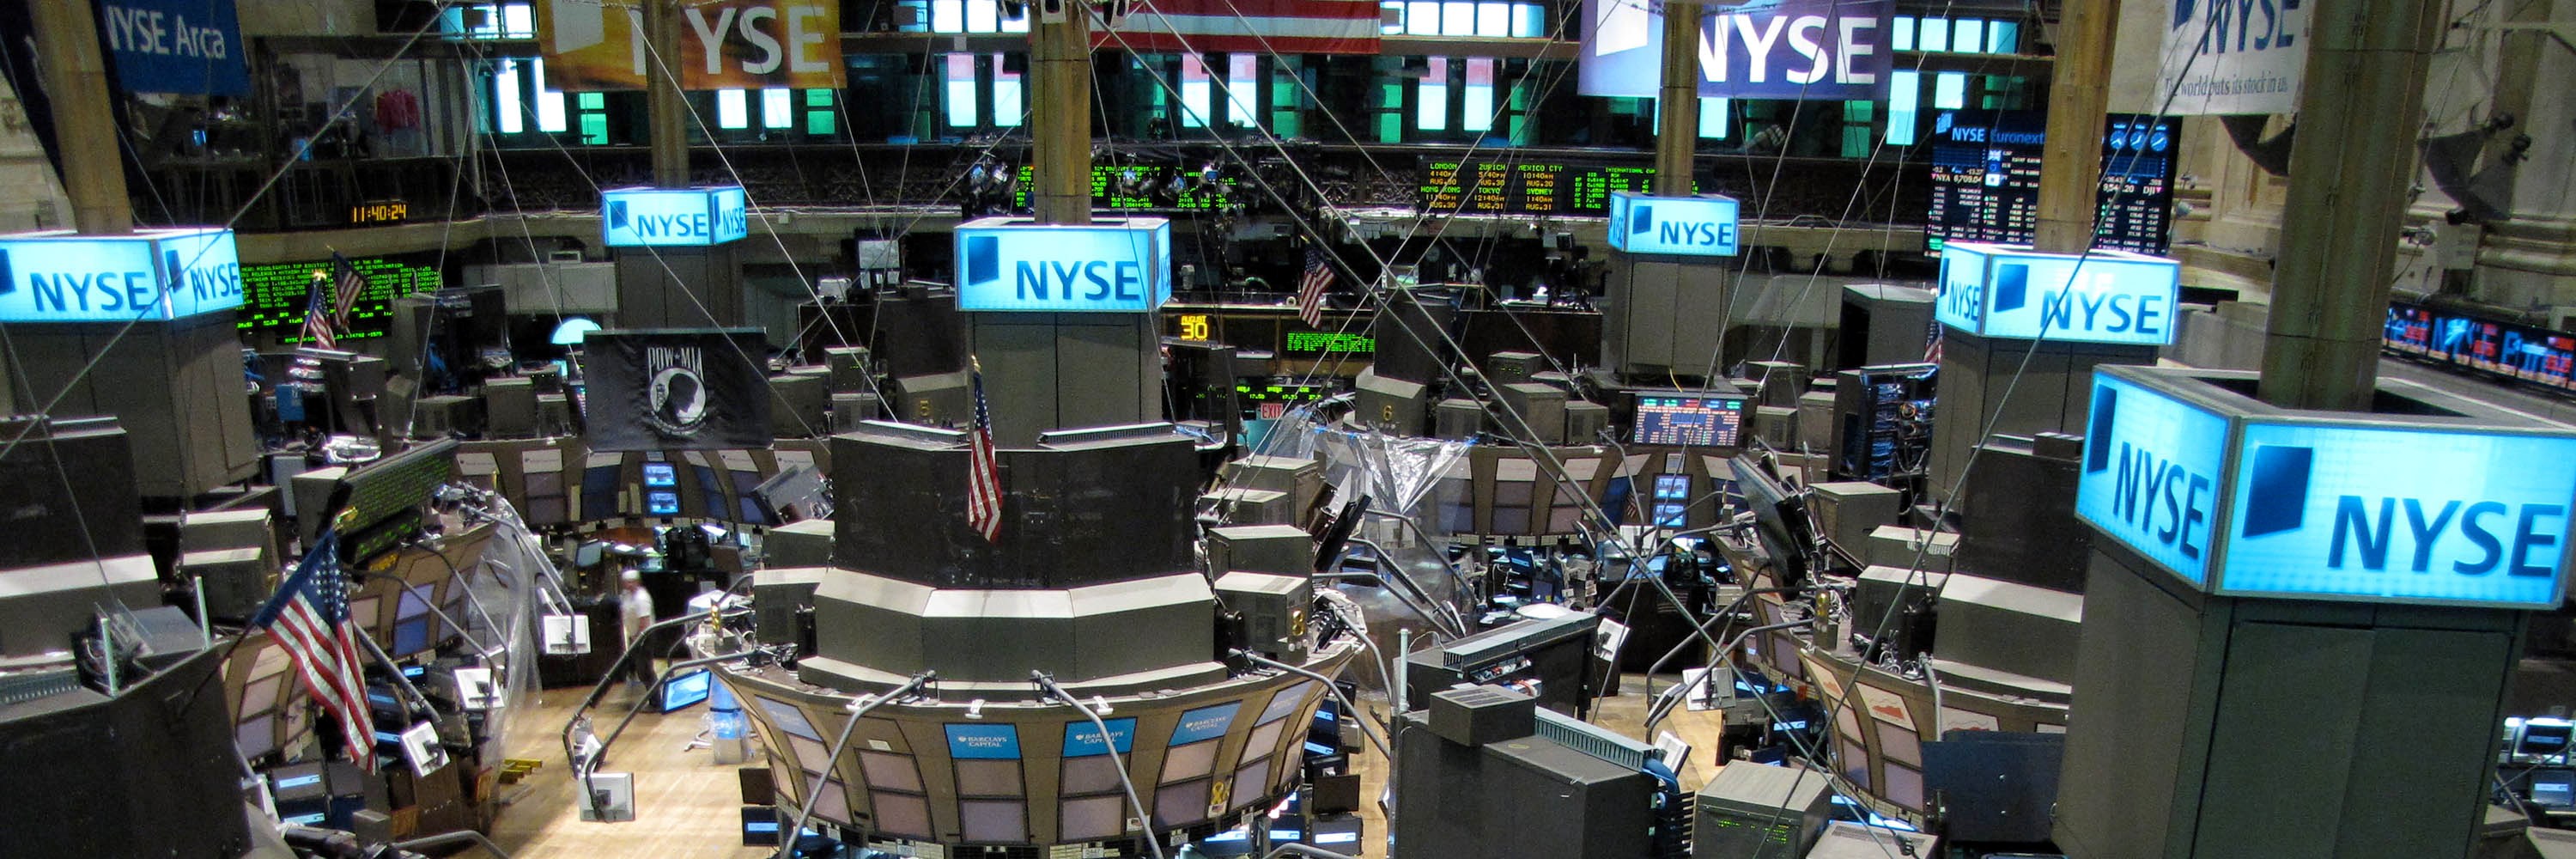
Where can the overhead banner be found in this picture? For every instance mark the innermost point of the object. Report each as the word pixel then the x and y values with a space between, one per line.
pixel 1786 49
pixel 2223 57
pixel 676 389
pixel 174 46
pixel 724 44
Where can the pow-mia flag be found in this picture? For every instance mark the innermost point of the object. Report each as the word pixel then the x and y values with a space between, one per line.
pixel 676 389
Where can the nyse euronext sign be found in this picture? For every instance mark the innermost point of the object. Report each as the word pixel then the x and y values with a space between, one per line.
pixel 2105 296
pixel 1107 266
pixel 59 276
pixel 673 217
pixel 1677 226
pixel 2257 502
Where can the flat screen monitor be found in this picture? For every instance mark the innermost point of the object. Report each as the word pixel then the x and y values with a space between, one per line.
pixel 1688 418
pixel 412 636
pixel 662 503
pixel 589 553
pixel 687 689
pixel 2553 788
pixel 660 474
pixel 1780 520
pixel 2546 737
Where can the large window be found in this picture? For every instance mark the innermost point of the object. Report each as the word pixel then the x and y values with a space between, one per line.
pixel 1478 18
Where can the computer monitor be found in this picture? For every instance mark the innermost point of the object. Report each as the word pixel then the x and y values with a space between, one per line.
pixel 411 636
pixel 1689 418
pixel 589 553
pixel 382 501
pixel 2545 738
pixel 687 689
pixel 662 503
pixel 2553 788
pixel 660 474
pixel 1780 521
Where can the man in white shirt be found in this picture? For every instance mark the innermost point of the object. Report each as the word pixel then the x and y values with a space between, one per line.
pixel 637 608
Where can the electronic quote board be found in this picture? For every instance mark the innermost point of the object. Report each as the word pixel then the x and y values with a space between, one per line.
pixel 1985 179
pixel 1133 188
pixel 275 295
pixel 1525 187
pixel 1688 418
pixel 2524 354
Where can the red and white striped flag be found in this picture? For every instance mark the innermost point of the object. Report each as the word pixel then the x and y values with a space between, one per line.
pixel 983 471
pixel 1247 26
pixel 1310 288
pixel 310 618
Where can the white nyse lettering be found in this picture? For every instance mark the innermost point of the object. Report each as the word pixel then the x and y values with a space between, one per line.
pixel 798 37
pixel 1757 48
pixel 1800 39
pixel 767 43
pixel 1853 48
pixel 712 38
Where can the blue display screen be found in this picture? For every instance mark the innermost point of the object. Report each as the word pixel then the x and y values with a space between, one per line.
pixel 662 503
pixel 1679 226
pixel 673 217
pixel 978 741
pixel 687 689
pixel 1110 266
pixel 1204 723
pixel 1082 739
pixel 2150 477
pixel 2400 514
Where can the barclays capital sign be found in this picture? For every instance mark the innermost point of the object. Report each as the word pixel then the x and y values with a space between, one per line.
pixel 1676 226
pixel 2240 499
pixel 2105 296
pixel 1108 266
pixel 163 275
pixel 673 217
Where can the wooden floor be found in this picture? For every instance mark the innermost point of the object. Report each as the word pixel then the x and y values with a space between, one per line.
pixel 687 805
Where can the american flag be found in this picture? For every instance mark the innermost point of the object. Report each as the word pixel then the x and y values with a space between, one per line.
pixel 334 294
pixel 1932 344
pixel 1310 289
pixel 983 472
pixel 1246 26
pixel 310 618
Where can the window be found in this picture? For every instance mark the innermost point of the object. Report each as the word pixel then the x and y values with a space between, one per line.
pixel 1904 90
pixel 506 107
pixel 594 118
pixel 1477 113
pixel 959 80
pixel 820 120
pixel 1478 18
pixel 1195 91
pixel 733 110
pixel 1009 109
pixel 1932 34
pixel 1713 117
pixel 775 110
pixel 1950 91
pixel 1857 119
pixel 550 103
pixel 1901 34
pixel 1431 99
pixel 1243 89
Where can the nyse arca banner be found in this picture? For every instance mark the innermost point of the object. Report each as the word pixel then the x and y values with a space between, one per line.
pixel 174 46
pixel 724 44
pixel 1792 49
pixel 2399 514
pixel 2233 56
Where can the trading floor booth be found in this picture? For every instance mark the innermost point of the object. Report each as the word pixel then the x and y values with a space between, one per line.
pixel 2300 627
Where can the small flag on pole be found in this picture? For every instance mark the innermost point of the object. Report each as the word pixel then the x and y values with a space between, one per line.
pixel 1310 288
pixel 983 470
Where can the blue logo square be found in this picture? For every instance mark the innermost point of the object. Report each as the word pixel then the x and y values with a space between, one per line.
pixel 2277 492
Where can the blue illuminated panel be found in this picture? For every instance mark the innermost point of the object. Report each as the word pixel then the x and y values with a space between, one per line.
pixel 673 217
pixel 2400 514
pixel 980 741
pixel 2101 297
pixel 2151 472
pixel 153 274
pixel 1204 723
pixel 1109 266
pixel 1678 226
pixel 1082 739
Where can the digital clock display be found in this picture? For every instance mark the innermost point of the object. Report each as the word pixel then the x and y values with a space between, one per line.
pixel 380 212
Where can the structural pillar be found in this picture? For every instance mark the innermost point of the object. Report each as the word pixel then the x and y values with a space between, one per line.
pixel 2070 174
pixel 1677 130
pixel 665 112
pixel 1060 63
pixel 75 76
pixel 2352 165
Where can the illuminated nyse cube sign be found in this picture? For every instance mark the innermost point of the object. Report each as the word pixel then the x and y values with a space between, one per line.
pixel 1675 226
pixel 673 217
pixel 2243 500
pixel 2102 297
pixel 1107 266
pixel 57 276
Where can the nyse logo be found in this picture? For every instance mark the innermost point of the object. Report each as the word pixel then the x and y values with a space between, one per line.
pixel 2482 537
pixel 2161 501
pixel 1964 297
pixel 2091 304
pixel 77 294
pixel 1054 280
pixel 1670 233
pixel 617 218
pixel 2239 25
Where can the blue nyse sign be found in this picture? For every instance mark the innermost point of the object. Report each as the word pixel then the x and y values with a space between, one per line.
pixel 2103 297
pixel 673 217
pixel 1108 266
pixel 1787 49
pixel 153 274
pixel 2152 465
pixel 2400 513
pixel 1680 226
pixel 175 46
